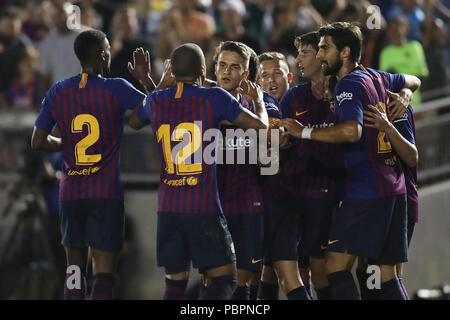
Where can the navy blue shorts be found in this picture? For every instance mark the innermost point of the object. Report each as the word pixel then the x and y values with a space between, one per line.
pixel 372 228
pixel 96 223
pixel 281 230
pixel 203 239
pixel 411 225
pixel 247 234
pixel 315 223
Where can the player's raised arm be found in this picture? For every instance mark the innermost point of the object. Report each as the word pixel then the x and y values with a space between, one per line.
pixel 140 69
pixel 407 151
pixel 246 119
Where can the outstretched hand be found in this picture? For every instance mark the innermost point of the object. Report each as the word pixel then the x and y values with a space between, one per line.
pixel 140 68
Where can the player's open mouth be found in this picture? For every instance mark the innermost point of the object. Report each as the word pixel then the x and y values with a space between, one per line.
pixel 273 89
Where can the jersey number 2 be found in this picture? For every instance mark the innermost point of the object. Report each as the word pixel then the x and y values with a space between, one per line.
pixel 93 134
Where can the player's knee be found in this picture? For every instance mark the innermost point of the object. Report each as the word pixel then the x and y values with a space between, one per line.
pixel 243 277
pixel 335 262
pixel 103 261
pixel 269 275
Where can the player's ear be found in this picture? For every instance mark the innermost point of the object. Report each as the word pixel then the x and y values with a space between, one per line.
pixel 245 75
pixel 290 77
pixel 103 56
pixel 345 53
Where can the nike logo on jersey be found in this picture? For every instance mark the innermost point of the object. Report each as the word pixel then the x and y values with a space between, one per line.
pixel 331 242
pixel 256 261
pixel 297 114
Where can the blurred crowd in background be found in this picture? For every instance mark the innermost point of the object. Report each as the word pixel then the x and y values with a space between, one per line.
pixel 36 36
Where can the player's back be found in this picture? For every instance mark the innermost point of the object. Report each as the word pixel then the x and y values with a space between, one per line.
pixel 89 113
pixel 180 116
pixel 373 168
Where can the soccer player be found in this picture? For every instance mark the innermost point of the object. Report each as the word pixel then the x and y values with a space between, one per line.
pixel 401 133
pixel 371 220
pixel 239 190
pixel 311 169
pixel 191 224
pixel 88 111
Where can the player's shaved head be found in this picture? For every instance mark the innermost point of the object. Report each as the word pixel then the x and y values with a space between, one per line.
pixel 88 44
pixel 187 61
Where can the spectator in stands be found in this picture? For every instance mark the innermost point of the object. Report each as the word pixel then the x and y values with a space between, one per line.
pixel 435 45
pixel 232 15
pixel 58 60
pixel 12 43
pixel 403 56
pixel 89 15
pixel 184 23
pixel 24 91
pixel 124 32
pixel 284 30
pixel 35 24
pixel 329 9
pixel 414 14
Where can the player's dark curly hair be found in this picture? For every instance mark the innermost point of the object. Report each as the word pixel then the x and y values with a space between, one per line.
pixel 345 34
pixel 87 44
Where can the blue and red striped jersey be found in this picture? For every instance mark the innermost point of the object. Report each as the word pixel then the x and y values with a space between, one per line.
pixel 88 111
pixel 406 127
pixel 239 183
pixel 308 168
pixel 373 170
pixel 181 117
pixel 313 168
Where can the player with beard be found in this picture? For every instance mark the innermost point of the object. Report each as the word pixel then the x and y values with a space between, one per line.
pixel 371 220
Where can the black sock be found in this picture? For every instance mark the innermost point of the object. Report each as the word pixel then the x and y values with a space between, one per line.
pixel 75 293
pixel 254 292
pixel 102 286
pixel 221 288
pixel 175 289
pixel 362 277
pixel 405 293
pixel 324 293
pixel 241 293
pixel 392 290
pixel 299 293
pixel 343 287
pixel 268 291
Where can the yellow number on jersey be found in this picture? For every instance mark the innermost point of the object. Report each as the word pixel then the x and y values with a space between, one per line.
pixel 195 142
pixel 383 145
pixel 93 134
